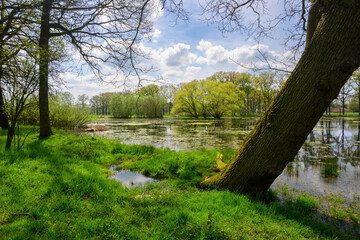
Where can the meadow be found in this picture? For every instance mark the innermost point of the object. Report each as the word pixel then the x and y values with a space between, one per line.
pixel 59 188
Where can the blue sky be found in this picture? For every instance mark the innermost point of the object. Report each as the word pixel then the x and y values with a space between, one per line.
pixel 188 51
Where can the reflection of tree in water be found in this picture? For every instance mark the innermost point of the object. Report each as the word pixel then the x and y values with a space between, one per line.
pixel 226 133
pixel 331 145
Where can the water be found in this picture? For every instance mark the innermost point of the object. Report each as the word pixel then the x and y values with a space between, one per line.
pixel 328 162
pixel 130 179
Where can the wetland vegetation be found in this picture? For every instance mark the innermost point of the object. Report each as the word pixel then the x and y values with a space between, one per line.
pixel 59 188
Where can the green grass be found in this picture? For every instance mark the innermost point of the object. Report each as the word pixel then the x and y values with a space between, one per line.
pixel 58 189
pixel 347 114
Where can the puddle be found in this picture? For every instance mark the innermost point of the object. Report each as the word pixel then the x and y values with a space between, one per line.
pixel 130 179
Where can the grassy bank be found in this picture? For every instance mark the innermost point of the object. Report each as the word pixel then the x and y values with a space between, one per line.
pixel 347 114
pixel 58 189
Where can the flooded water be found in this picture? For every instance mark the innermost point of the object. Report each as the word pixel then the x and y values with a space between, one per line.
pixel 328 162
pixel 130 179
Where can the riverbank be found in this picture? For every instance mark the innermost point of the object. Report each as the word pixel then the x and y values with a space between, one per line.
pixel 58 188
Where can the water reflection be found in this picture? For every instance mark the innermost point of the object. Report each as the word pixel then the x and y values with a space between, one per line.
pixel 329 160
pixel 130 179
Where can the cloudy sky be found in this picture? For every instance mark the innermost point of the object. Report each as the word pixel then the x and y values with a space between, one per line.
pixel 187 51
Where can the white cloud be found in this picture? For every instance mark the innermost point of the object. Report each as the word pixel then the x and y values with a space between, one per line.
pixel 177 56
pixel 213 54
pixel 156 33
pixel 203 45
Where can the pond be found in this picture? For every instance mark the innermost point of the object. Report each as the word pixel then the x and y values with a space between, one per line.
pixel 328 162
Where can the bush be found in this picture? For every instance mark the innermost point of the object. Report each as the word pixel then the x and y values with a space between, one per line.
pixel 65 113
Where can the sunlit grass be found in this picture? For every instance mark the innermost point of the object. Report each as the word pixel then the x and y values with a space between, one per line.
pixel 58 189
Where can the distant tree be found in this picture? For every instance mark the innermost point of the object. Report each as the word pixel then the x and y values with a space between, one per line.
pixel 94 105
pixel 219 98
pixel 83 100
pixel 264 82
pixel 122 105
pixel 104 101
pixel 186 100
pixel 245 83
pixel 344 94
pixel 150 90
pixel 167 92
pixel 220 76
pixel 355 78
pixel 353 106
pixel 151 102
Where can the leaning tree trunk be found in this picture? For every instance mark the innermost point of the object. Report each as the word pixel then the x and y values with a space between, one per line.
pixel 45 128
pixel 326 64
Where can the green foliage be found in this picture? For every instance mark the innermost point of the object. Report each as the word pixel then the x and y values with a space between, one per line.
pixel 208 98
pixel 65 113
pixel 150 106
pixel 186 100
pixel 122 105
pixel 265 84
pixel 218 98
pixel 53 190
pixel 353 106
pixel 149 103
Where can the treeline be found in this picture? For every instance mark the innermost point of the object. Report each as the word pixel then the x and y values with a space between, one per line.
pixel 223 93
pixel 227 93
pixel 151 101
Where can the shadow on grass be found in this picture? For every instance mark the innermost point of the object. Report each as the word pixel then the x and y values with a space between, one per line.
pixel 305 211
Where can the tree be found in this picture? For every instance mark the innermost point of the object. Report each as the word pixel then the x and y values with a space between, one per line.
pixel 4 121
pixel 185 100
pixel 344 94
pixel 122 105
pixel 13 15
pixel 20 83
pixel 64 112
pixel 104 101
pixel 83 100
pixel 151 102
pixel 329 59
pixel 355 78
pixel 264 83
pixel 220 76
pixel 102 32
pixel 245 83
pixel 219 98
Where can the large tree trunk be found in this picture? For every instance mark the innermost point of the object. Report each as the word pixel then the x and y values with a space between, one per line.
pixel 326 64
pixel 45 128
pixel 4 121
pixel 10 136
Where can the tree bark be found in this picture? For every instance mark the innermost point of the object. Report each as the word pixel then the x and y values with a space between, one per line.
pixel 45 128
pixel 359 102
pixel 10 136
pixel 326 64
pixel 4 121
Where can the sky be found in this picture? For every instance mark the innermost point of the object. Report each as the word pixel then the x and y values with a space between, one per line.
pixel 187 51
